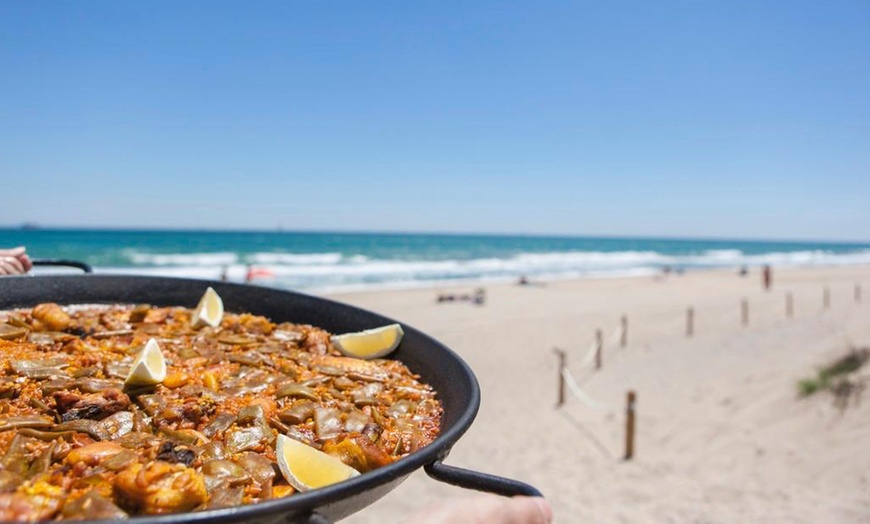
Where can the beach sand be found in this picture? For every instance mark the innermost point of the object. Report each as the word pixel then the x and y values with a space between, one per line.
pixel 721 433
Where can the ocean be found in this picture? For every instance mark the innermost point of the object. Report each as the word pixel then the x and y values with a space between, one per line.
pixel 328 261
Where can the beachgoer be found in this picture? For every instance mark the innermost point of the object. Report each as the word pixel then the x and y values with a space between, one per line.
pixel 491 509
pixel 224 275
pixel 523 280
pixel 766 277
pixel 14 261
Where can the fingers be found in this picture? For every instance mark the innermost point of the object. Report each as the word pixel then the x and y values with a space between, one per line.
pixel 26 263
pixel 10 266
pixel 488 509
pixel 14 252
pixel 14 261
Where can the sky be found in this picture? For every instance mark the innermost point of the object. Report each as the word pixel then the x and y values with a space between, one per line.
pixel 696 118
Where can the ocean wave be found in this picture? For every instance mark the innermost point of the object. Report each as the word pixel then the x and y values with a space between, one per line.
pixel 592 258
pixel 297 258
pixel 181 259
pixel 319 271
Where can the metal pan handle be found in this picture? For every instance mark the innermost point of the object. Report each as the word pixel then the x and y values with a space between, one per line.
pixel 66 263
pixel 463 478
pixel 466 478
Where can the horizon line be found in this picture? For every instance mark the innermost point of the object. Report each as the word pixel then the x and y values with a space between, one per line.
pixel 31 227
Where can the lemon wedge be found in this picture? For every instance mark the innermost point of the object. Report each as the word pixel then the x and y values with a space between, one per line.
pixel 371 343
pixel 306 468
pixel 210 310
pixel 149 367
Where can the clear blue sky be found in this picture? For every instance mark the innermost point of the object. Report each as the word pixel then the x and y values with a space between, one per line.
pixel 746 119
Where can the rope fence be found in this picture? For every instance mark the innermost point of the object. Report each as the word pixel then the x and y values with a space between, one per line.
pixel 592 360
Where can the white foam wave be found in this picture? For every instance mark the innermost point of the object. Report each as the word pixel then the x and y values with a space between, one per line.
pixel 592 259
pixel 182 259
pixel 295 258
pixel 336 271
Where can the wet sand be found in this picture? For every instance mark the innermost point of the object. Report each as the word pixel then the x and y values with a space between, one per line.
pixel 721 433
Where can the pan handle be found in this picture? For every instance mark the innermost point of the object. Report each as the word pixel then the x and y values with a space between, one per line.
pixel 466 478
pixel 463 478
pixel 67 263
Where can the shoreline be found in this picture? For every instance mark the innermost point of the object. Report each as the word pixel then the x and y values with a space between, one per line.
pixel 237 276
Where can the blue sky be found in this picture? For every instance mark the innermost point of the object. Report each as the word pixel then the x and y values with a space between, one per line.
pixel 694 118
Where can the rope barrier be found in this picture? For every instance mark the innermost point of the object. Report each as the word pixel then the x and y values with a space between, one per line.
pixel 617 335
pixel 593 354
pixel 579 393
pixel 590 355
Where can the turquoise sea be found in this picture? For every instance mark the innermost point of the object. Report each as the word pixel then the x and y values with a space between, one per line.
pixel 324 261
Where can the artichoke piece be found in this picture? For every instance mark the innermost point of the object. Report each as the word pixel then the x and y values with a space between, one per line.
pixel 219 424
pixel 40 369
pixel 296 390
pixel 247 439
pixel 236 340
pixel 92 506
pixel 327 423
pixel 298 413
pixel 9 332
pixel 139 313
pixel 228 471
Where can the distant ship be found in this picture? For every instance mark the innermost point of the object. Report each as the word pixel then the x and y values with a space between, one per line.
pixel 29 226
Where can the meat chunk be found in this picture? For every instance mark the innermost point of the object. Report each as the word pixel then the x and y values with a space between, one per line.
pixel 160 487
pixel 52 316
pixel 94 406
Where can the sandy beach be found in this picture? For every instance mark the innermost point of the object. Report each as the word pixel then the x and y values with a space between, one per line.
pixel 721 433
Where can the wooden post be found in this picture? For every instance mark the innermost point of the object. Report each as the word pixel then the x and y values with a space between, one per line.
pixel 623 338
pixel 629 425
pixel 690 322
pixel 744 312
pixel 599 343
pixel 789 305
pixel 826 298
pixel 561 379
pixel 857 293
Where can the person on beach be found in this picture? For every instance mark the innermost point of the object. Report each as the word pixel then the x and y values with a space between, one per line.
pixel 766 277
pixel 14 261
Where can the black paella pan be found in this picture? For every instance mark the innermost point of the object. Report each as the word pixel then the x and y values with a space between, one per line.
pixel 437 365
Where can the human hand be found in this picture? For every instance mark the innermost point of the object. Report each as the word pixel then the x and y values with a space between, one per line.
pixel 486 509
pixel 14 261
